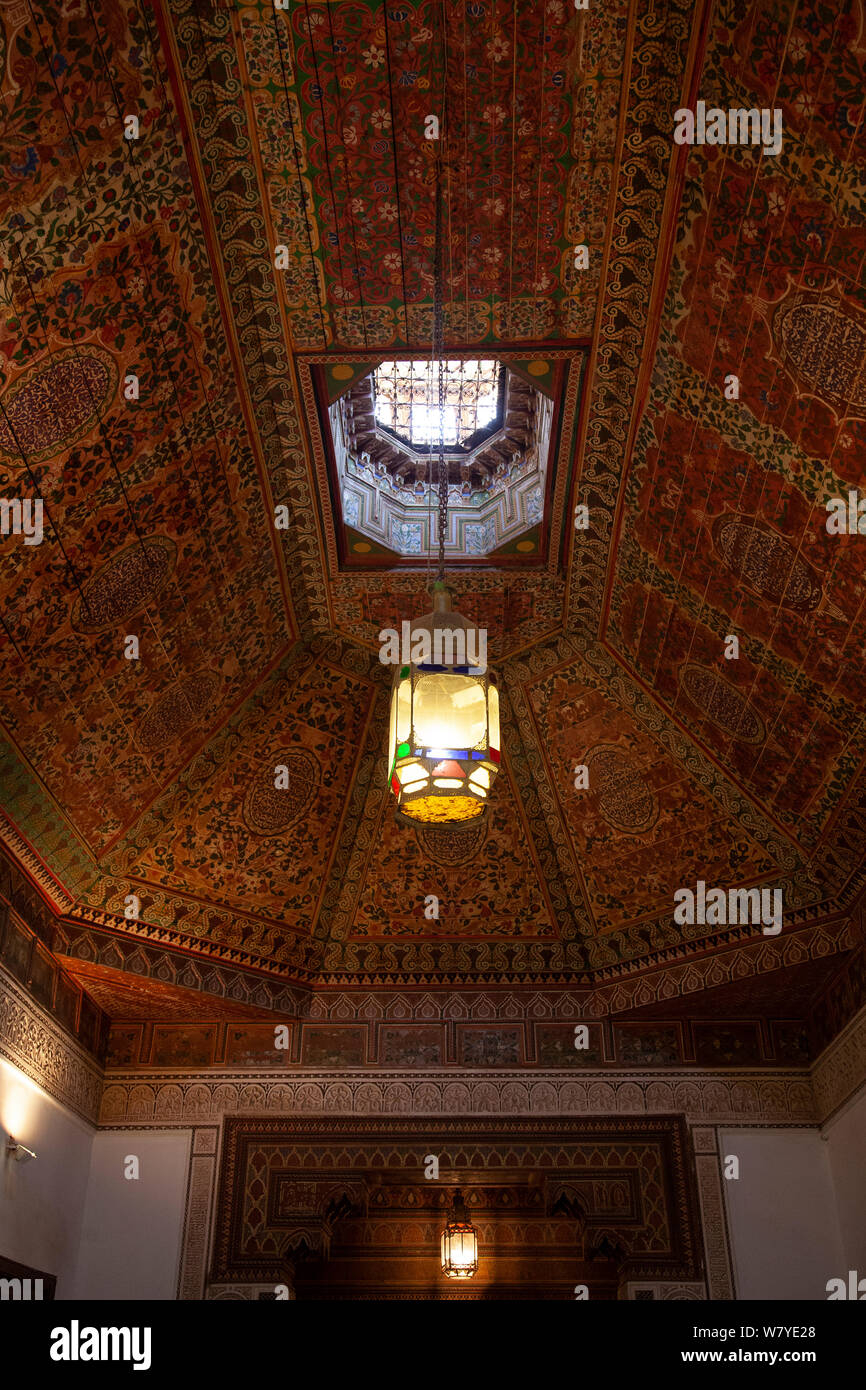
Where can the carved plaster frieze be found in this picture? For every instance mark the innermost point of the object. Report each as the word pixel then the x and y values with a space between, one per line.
pixel 32 1041
pixel 720 1097
pixel 841 1068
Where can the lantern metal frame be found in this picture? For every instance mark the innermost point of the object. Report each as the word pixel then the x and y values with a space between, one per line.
pixel 459 1227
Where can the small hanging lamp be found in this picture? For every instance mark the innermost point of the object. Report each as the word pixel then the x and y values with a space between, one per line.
pixel 443 752
pixel 459 1243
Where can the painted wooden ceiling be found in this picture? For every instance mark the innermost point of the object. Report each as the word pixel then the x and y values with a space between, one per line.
pixel 154 257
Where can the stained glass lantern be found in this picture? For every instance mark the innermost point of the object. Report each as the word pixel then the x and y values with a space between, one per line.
pixel 444 743
pixel 459 1243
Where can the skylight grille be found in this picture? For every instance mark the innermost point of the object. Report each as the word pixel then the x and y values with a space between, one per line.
pixel 407 399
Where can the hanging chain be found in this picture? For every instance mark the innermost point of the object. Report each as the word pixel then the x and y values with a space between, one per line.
pixel 438 333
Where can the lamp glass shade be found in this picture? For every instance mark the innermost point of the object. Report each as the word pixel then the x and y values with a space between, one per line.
pixel 459 1250
pixel 444 718
pixel 449 711
pixel 411 770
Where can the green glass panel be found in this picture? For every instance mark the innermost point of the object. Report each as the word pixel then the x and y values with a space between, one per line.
pixel 402 750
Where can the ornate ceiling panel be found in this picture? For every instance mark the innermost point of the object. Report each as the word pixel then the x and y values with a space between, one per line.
pixel 644 826
pixel 123 412
pixel 229 836
pixel 486 881
pixel 158 258
pixel 126 996
pixel 722 530
pixel 345 91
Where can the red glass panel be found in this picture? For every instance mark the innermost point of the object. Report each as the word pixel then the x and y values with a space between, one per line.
pixel 448 769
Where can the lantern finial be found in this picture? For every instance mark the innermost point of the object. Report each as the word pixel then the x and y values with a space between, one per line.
pixel 442 596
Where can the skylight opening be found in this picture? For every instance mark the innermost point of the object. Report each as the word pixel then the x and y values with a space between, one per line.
pixel 407 400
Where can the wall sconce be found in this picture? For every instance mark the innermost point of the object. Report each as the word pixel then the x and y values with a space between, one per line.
pixel 19 1152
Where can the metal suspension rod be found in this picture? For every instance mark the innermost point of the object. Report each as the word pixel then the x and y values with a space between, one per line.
pixel 438 333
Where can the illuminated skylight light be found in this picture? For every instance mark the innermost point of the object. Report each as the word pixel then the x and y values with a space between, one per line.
pixel 407 400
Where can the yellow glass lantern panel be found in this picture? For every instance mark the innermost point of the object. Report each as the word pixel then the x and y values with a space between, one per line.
pixel 459 1252
pixel 441 808
pixel 450 711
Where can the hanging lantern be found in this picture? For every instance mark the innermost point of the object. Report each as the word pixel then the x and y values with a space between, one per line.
pixel 459 1244
pixel 444 745
pixel 443 753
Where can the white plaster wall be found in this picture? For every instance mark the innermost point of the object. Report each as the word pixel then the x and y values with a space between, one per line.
pixel 132 1230
pixel 41 1201
pixel 845 1138
pixel 782 1218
